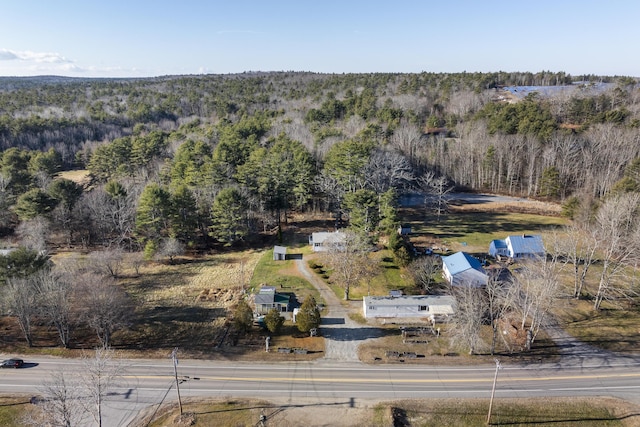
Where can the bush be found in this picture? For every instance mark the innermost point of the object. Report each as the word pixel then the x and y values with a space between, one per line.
pixel 308 316
pixel 150 249
pixel 242 316
pixel 273 321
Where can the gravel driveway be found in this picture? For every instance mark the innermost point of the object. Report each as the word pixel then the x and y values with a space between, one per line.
pixel 342 335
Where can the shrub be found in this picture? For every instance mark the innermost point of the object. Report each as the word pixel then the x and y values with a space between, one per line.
pixel 242 316
pixel 308 316
pixel 273 321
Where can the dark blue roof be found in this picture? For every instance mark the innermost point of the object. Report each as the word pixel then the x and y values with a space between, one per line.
pixel 499 244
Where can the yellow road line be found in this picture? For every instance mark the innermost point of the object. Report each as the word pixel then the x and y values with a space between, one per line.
pixel 390 380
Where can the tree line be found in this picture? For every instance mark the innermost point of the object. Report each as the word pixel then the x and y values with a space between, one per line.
pixel 221 158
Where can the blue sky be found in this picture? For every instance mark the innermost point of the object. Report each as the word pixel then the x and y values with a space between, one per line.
pixel 115 38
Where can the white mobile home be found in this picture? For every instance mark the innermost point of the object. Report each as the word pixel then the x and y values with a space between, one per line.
pixel 408 306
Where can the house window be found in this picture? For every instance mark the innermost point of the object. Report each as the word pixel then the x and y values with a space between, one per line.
pixel 423 308
pixel 372 307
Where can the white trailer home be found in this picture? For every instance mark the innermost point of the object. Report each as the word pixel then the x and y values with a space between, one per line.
pixel 408 306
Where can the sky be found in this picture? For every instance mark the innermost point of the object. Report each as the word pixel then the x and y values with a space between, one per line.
pixel 144 38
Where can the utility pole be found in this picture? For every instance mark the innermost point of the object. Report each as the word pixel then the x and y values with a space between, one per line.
pixel 493 390
pixel 174 357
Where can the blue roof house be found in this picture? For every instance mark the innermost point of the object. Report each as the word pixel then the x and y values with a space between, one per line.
pixel 461 269
pixel 498 248
pixel 518 247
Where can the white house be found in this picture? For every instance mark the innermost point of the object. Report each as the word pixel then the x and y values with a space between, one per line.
pixel 518 247
pixel 408 306
pixel 461 269
pixel 320 240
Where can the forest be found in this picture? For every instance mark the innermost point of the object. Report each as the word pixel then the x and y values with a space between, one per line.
pixel 217 159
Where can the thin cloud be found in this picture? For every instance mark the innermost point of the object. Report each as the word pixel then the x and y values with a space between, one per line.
pixel 29 56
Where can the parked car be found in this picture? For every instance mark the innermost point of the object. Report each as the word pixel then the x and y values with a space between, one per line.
pixel 12 363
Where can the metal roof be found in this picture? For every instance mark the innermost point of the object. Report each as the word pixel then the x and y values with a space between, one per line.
pixel 461 261
pixel 322 236
pixel 439 304
pixel 526 244
pixel 499 244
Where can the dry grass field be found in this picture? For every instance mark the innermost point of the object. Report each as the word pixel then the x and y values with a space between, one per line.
pixel 188 304
pixel 563 412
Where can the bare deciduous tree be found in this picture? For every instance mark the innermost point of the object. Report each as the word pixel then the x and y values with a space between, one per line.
pixel 101 373
pixel 57 303
pixel 578 244
pixel 171 248
pixel 386 170
pixel 537 293
pixel 501 299
pixel 33 233
pixel 332 190
pixel 619 238
pixel 112 217
pixel 109 262
pixel 471 305
pixel 61 403
pixel 423 271
pixel 348 255
pixel 20 299
pixel 406 137
pixel 136 260
pixel 107 307
pixel 5 202
pixel 436 190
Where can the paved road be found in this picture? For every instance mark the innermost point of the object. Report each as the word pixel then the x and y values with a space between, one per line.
pixel 147 383
pixel 415 199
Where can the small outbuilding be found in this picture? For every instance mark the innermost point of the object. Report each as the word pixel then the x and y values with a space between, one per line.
pixel 417 306
pixel 462 269
pixel 279 253
pixel 404 230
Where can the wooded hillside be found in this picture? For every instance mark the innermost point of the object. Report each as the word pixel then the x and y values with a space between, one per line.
pixel 200 160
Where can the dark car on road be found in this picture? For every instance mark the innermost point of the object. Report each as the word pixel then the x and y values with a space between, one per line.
pixel 12 363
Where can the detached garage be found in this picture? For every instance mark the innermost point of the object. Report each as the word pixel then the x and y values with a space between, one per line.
pixel 408 306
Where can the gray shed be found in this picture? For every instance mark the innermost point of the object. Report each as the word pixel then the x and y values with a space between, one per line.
pixel 279 253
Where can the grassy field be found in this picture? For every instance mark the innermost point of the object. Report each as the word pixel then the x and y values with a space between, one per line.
pixel 611 328
pixel 511 412
pixel 13 409
pixel 283 275
pixel 563 412
pixel 473 231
